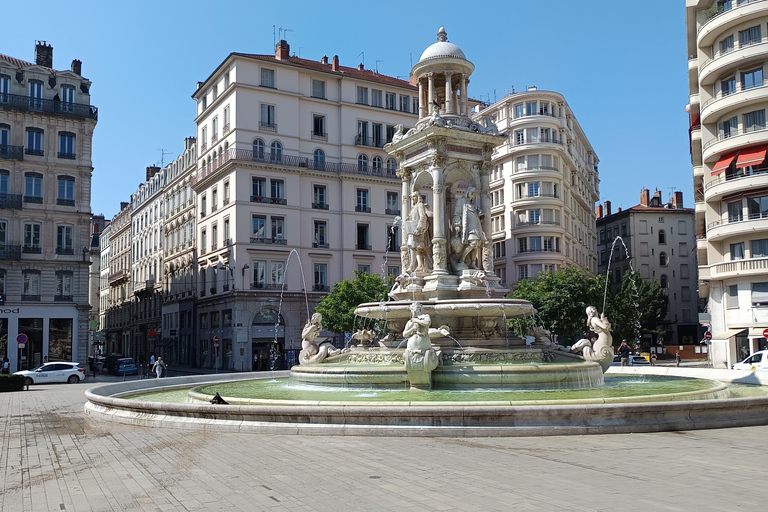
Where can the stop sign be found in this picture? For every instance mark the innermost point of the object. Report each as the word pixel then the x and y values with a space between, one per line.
pixel 215 341
pixel 765 333
pixel 708 335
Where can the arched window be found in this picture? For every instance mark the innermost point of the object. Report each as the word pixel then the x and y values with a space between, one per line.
pixel 362 163
pixel 258 149
pixel 662 237
pixel 319 159
pixel 276 151
pixel 663 281
pixel 663 260
pixel 378 163
pixel 391 165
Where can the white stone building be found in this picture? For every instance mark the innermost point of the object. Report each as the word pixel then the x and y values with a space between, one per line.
pixel 46 128
pixel 729 142
pixel 103 282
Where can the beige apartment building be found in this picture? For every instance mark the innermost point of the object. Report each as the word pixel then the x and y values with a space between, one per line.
pixel 544 185
pixel 117 318
pixel 727 42
pixel 46 128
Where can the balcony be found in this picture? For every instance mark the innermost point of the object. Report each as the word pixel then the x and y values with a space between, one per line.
pixel 267 127
pixel 320 245
pixel 58 108
pixel 63 298
pixel 30 298
pixel 737 226
pixel 32 249
pixel 10 252
pixel 10 201
pixel 739 268
pixel 371 142
pixel 319 136
pixel 34 152
pixel 727 184
pixel 320 288
pixel 65 202
pixel 722 17
pixel 115 277
pixel 67 156
pixel 33 199
pixel 320 206
pixel 268 240
pixel 65 251
pixel 392 212
pixel 362 208
pixel 362 247
pixel 11 152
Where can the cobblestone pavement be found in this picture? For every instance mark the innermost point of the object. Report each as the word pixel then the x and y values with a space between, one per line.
pixel 53 458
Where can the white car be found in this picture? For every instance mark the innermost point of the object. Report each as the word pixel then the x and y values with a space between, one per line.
pixel 756 362
pixel 54 372
pixel 638 361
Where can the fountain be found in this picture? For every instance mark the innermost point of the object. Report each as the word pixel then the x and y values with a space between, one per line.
pixel 448 364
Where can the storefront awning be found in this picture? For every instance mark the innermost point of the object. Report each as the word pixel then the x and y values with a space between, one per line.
pixel 730 333
pixel 723 163
pixel 753 156
pixel 756 332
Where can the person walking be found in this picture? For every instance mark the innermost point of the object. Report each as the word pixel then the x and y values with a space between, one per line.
pixel 653 359
pixel 6 366
pixel 677 358
pixel 624 353
pixel 159 367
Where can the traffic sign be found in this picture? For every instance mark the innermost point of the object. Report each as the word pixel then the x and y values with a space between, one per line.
pixel 21 339
pixel 765 333
pixel 215 341
pixel 708 335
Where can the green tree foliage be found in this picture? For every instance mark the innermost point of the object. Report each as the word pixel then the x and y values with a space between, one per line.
pixel 561 298
pixel 638 308
pixel 338 307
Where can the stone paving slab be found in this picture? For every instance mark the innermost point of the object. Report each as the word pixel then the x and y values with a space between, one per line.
pixel 53 458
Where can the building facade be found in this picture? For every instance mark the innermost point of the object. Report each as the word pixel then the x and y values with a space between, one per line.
pixel 118 319
pixel 544 185
pixel 655 239
pixel 729 141
pixel 46 129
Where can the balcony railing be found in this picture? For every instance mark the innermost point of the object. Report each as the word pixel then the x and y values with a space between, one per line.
pixel 320 245
pixel 65 202
pixel 362 247
pixel 522 251
pixel 63 298
pixel 267 127
pixel 10 252
pixel 34 152
pixel 722 178
pixel 30 298
pixel 390 211
pixel 32 249
pixel 361 208
pixel 373 142
pixel 320 206
pixel 65 251
pixel 737 218
pixel 33 199
pixel 268 240
pixel 10 201
pixel 741 266
pixel 320 136
pixel 11 152
pixel 536 223
pixel 722 9
pixel 59 108
pixel 67 156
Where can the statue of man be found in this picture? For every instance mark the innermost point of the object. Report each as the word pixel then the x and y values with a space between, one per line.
pixel 417 234
pixel 468 217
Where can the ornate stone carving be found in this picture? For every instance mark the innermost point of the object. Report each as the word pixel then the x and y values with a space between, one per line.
pixel 310 352
pixel 600 350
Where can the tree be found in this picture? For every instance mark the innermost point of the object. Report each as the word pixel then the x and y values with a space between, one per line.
pixel 561 298
pixel 338 307
pixel 638 308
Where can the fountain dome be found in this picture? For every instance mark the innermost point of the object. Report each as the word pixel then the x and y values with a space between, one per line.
pixel 442 48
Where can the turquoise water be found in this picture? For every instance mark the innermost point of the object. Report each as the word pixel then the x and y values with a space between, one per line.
pixel 616 387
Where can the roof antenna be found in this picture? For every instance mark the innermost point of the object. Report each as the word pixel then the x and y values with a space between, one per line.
pixel 363 54
pixel 163 152
pixel 411 55
pixel 274 40
pixel 376 65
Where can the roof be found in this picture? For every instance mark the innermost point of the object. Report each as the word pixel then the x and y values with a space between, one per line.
pixel 364 74
pixel 18 62
pixel 664 208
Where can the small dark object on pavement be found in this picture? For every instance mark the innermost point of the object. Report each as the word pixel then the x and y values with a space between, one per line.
pixel 217 400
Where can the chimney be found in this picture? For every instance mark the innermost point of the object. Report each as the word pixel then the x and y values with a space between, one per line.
pixel 324 60
pixel 677 200
pixel 412 79
pixel 607 208
pixel 360 67
pixel 335 63
pixel 151 171
pixel 189 142
pixel 645 197
pixel 123 205
pixel 282 50
pixel 44 54
pixel 618 210
pixel 77 67
pixel 599 211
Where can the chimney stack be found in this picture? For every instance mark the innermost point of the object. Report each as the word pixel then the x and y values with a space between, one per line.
pixel 282 50
pixel 607 208
pixel 618 210
pixel 677 200
pixel 77 67
pixel 123 205
pixel 324 60
pixel 360 67
pixel 44 54
pixel 645 197
pixel 599 211
pixel 151 171
pixel 189 142
pixel 335 63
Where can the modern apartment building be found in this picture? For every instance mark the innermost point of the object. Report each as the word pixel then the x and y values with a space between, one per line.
pixel 544 185
pixel 46 128
pixel 657 241
pixel 727 42
pixel 294 192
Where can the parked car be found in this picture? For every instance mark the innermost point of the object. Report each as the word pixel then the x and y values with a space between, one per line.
pixel 638 361
pixel 54 372
pixel 756 362
pixel 125 366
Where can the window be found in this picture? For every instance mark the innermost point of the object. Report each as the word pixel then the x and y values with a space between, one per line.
pixel 393 238
pixel 393 203
pixel 405 102
pixel 391 101
pixel 258 189
pixel 522 245
pixel 258 149
pixel 64 241
pixel 760 294
pixel 377 131
pixel 499 249
pixel 2 282
pixel 35 95
pixel 33 187
pixel 268 78
pixel 759 248
pixel 728 128
pixel 732 297
pixel 364 269
pixel 391 166
pixel 65 191
pixel 318 89
pixel 750 79
pixel 685 293
pixel 277 189
pixel 31 284
pixel 362 164
pixel 522 272
pixel 320 241
pixel 663 260
pixel 277 272
pixel 204 137
pixel 226 192
pixel 227 241
pixel 362 95
pixel 726 45
pixel 754 121
pixel 319 158
pixel 258 224
pixel 321 276
pixel 519 110
pixel 534 243
pixel 377 163
pixel 278 228
pixel 268 117
pixel 735 213
pixel 530 108
pixel 662 236
pixel 214 236
pixel 67 145
pixel 276 152
pixel 728 86
pixel 362 201
pixel 226 120
pixel 259 274
pixel 534 216
pixel 318 127
pixel 362 238
pixel 34 142
pixel 758 207
pixel 737 251
pixel 203 241
pixel 376 96
pixel 203 205
pixel 319 197
pixel 64 284
pixel 684 272
pixel 5 137
pixel 5 88
pixel 749 36
pixel 214 129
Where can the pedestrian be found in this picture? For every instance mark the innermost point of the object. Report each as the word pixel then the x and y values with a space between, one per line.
pixel 159 367
pixel 93 367
pixel 624 353
pixel 152 359
pixel 653 359
pixel 677 358
pixel 6 366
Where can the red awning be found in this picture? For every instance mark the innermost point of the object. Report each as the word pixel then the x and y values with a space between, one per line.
pixel 723 163
pixel 752 156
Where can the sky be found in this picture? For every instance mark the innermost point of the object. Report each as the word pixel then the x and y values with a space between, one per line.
pixel 621 66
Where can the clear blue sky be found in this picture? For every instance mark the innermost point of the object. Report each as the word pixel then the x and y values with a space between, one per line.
pixel 622 67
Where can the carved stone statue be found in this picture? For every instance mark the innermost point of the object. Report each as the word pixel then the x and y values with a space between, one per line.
pixel 398 135
pixel 310 352
pixel 420 357
pixel 467 216
pixel 417 235
pixel 601 350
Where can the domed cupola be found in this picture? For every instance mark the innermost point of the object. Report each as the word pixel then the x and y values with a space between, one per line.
pixel 442 48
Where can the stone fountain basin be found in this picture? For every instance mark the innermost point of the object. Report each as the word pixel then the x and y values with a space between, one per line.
pixel 464 308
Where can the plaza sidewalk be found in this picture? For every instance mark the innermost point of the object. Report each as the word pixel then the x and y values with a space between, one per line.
pixel 53 458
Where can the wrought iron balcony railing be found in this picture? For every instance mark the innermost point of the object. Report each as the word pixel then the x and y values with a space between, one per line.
pixel 10 252
pixel 268 240
pixel 59 108
pixel 8 152
pixel 10 201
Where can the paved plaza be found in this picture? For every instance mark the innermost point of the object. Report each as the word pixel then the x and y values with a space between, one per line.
pixel 53 458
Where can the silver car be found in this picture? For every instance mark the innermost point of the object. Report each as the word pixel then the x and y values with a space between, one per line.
pixel 54 372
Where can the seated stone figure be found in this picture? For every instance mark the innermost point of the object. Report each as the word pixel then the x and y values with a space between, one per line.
pixel 310 352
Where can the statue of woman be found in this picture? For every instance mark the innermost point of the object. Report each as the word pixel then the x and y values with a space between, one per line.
pixel 468 217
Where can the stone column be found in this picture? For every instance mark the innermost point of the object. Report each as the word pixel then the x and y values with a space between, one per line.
pixel 431 93
pixel 482 201
pixel 421 99
pixel 439 240
pixel 464 95
pixel 448 93
pixel 455 101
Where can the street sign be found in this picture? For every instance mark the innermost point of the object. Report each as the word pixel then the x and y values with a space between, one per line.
pixel 95 325
pixel 21 339
pixel 708 335
pixel 215 341
pixel 765 333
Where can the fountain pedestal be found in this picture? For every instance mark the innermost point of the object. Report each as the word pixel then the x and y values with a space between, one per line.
pixel 419 365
